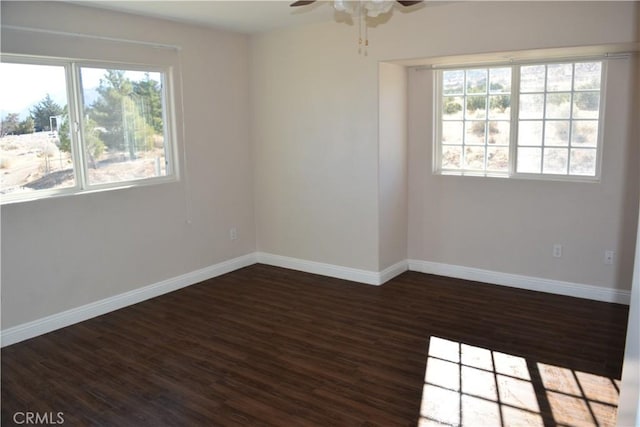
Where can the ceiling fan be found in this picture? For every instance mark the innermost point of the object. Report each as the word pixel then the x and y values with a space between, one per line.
pixel 370 8
pixel 362 9
pixel 306 2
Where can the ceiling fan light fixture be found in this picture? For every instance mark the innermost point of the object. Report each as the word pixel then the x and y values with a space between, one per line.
pixel 371 8
pixel 362 9
pixel 346 6
pixel 376 8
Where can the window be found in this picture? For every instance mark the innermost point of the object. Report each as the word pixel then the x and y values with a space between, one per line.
pixel 520 120
pixel 69 127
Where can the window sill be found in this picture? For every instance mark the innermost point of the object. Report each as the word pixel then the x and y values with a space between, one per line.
pixel 36 195
pixel 521 176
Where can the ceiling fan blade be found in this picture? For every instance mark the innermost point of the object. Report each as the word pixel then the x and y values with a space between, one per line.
pixel 409 2
pixel 302 3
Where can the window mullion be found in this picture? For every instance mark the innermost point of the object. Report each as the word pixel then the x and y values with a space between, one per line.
pixel 463 149
pixel 487 128
pixel 543 146
pixel 514 119
pixel 571 96
pixel 437 152
pixel 75 103
pixel 72 107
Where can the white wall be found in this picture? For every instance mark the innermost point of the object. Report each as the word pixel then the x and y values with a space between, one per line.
pixel 65 252
pixel 317 146
pixel 392 164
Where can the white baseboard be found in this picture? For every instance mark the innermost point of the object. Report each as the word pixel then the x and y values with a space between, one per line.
pixel 75 315
pixel 331 270
pixel 393 271
pixel 571 289
pixel 60 320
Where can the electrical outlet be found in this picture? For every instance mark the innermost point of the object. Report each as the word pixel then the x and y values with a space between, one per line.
pixel 608 257
pixel 233 233
pixel 557 250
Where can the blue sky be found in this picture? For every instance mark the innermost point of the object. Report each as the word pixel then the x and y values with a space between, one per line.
pixel 22 86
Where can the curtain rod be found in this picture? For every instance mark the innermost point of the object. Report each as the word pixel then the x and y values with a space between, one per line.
pixel 93 36
pixel 512 61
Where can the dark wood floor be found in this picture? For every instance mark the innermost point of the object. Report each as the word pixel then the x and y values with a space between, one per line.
pixel 269 346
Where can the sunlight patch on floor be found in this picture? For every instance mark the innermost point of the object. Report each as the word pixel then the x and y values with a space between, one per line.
pixel 466 385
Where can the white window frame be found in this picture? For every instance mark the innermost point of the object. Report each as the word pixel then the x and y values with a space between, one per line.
pixel 75 106
pixel 514 121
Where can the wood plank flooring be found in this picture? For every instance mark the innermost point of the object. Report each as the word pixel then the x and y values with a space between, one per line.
pixel 269 346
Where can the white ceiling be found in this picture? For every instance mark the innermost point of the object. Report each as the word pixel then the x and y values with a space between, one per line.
pixel 239 15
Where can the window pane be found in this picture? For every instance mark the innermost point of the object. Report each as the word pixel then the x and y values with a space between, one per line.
pixel 476 81
pixel 476 107
pixel 585 133
pixel 586 105
pixel 499 106
pixel 531 106
pixel 475 133
pixel 499 133
pixel 570 115
pixel 555 161
pixel 556 132
pixel 532 78
pixel 588 75
pixel 35 147
pixel 529 160
pixel 530 133
pixel 474 158
pixel 583 162
pixel 453 82
pixel 559 77
pixel 464 130
pixel 558 106
pixel 123 125
pixel 452 132
pixel 498 159
pixel 500 80
pixel 452 107
pixel 451 157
